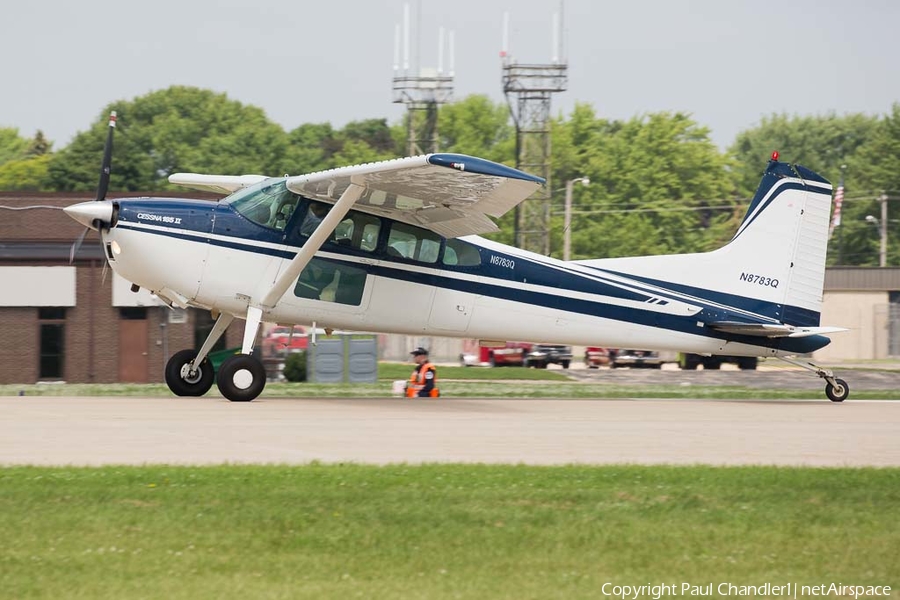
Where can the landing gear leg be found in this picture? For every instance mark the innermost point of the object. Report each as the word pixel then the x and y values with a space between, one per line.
pixel 189 373
pixel 836 389
pixel 241 378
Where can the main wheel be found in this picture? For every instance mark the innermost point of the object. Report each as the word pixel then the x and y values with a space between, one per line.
pixel 186 382
pixel 839 392
pixel 241 378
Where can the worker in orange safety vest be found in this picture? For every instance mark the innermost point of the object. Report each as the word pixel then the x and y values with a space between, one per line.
pixel 423 381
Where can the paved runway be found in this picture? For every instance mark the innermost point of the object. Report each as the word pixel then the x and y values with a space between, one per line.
pixel 111 430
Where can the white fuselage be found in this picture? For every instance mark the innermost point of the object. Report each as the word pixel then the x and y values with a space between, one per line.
pixel 397 297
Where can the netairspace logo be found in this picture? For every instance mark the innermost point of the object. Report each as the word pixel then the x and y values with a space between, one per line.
pixel 787 590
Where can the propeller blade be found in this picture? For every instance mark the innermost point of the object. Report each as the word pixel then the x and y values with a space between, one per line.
pixel 107 159
pixel 76 245
pixel 104 272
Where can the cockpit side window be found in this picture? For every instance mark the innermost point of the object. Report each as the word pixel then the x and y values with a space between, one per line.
pixel 357 230
pixel 269 203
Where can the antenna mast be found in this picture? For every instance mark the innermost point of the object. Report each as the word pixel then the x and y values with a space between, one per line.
pixel 528 89
pixel 421 92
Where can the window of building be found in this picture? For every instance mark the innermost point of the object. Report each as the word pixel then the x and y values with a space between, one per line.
pixel 461 254
pixel 413 243
pixel 133 313
pixel 52 330
pixel 331 282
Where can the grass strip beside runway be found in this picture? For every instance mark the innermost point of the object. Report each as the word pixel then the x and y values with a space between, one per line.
pixel 438 531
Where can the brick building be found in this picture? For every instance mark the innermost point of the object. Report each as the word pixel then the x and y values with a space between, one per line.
pixel 64 322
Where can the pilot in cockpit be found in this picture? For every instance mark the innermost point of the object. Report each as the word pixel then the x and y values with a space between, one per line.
pixel 314 216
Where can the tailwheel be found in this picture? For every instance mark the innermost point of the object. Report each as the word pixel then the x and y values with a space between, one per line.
pixel 241 378
pixel 187 379
pixel 838 391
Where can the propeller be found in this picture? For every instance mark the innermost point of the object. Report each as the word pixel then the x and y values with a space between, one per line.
pixel 99 213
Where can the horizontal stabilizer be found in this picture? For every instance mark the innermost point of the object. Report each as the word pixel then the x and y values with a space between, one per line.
pixel 220 184
pixel 771 330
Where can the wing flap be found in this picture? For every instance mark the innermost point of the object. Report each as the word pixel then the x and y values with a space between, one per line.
pixel 771 330
pixel 450 194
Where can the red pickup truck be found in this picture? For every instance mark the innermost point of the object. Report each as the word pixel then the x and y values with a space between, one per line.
pixel 510 354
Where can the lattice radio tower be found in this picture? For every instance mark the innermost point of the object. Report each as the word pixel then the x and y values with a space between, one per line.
pixel 423 92
pixel 528 89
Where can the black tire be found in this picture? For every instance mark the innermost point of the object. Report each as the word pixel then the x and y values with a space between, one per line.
pixel 747 364
pixel 839 393
pixel 197 385
pixel 232 378
pixel 565 364
pixel 712 363
pixel 689 362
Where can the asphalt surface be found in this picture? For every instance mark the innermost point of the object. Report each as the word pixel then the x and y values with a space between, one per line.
pixel 45 430
pixel 765 378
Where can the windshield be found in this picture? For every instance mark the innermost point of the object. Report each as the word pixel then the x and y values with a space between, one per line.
pixel 268 203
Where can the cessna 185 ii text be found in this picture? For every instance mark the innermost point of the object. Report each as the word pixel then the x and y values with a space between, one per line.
pixel 394 246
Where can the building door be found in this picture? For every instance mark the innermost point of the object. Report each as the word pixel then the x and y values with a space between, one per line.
pixel 133 346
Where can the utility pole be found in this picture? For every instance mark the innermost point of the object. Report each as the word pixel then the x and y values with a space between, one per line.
pixel 882 257
pixel 567 219
pixel 422 90
pixel 528 89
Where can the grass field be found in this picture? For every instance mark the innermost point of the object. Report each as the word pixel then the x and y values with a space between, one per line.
pixel 431 531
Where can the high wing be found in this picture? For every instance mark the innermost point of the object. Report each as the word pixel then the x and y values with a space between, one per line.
pixel 450 194
pixel 221 184
pixel 771 330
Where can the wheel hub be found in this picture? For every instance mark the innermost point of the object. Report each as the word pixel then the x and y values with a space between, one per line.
pixel 242 379
pixel 190 374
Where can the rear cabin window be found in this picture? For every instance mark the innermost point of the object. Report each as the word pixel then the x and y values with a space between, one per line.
pixel 461 254
pixel 413 243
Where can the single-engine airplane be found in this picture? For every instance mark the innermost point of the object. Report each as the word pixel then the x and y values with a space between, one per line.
pixel 394 246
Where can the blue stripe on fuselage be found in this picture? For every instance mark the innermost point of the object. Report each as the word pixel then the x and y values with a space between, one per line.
pixel 528 271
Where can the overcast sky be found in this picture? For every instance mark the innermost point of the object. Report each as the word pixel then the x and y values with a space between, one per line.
pixel 728 63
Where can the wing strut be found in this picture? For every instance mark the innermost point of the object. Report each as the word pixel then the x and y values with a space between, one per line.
pixel 312 245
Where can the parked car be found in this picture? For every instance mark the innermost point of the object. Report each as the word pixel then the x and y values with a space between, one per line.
pixel 637 359
pixel 279 340
pixel 692 361
pixel 510 354
pixel 542 355
pixel 595 357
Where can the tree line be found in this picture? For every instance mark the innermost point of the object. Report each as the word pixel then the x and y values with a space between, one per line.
pixel 658 183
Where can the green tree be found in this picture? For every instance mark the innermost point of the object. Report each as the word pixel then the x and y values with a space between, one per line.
pixel 25 174
pixel 874 170
pixel 39 145
pixel 167 131
pixel 12 146
pixel 658 186
pixel 822 143
pixel 477 127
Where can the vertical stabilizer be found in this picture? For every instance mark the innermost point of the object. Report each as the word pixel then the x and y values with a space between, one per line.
pixel 773 267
